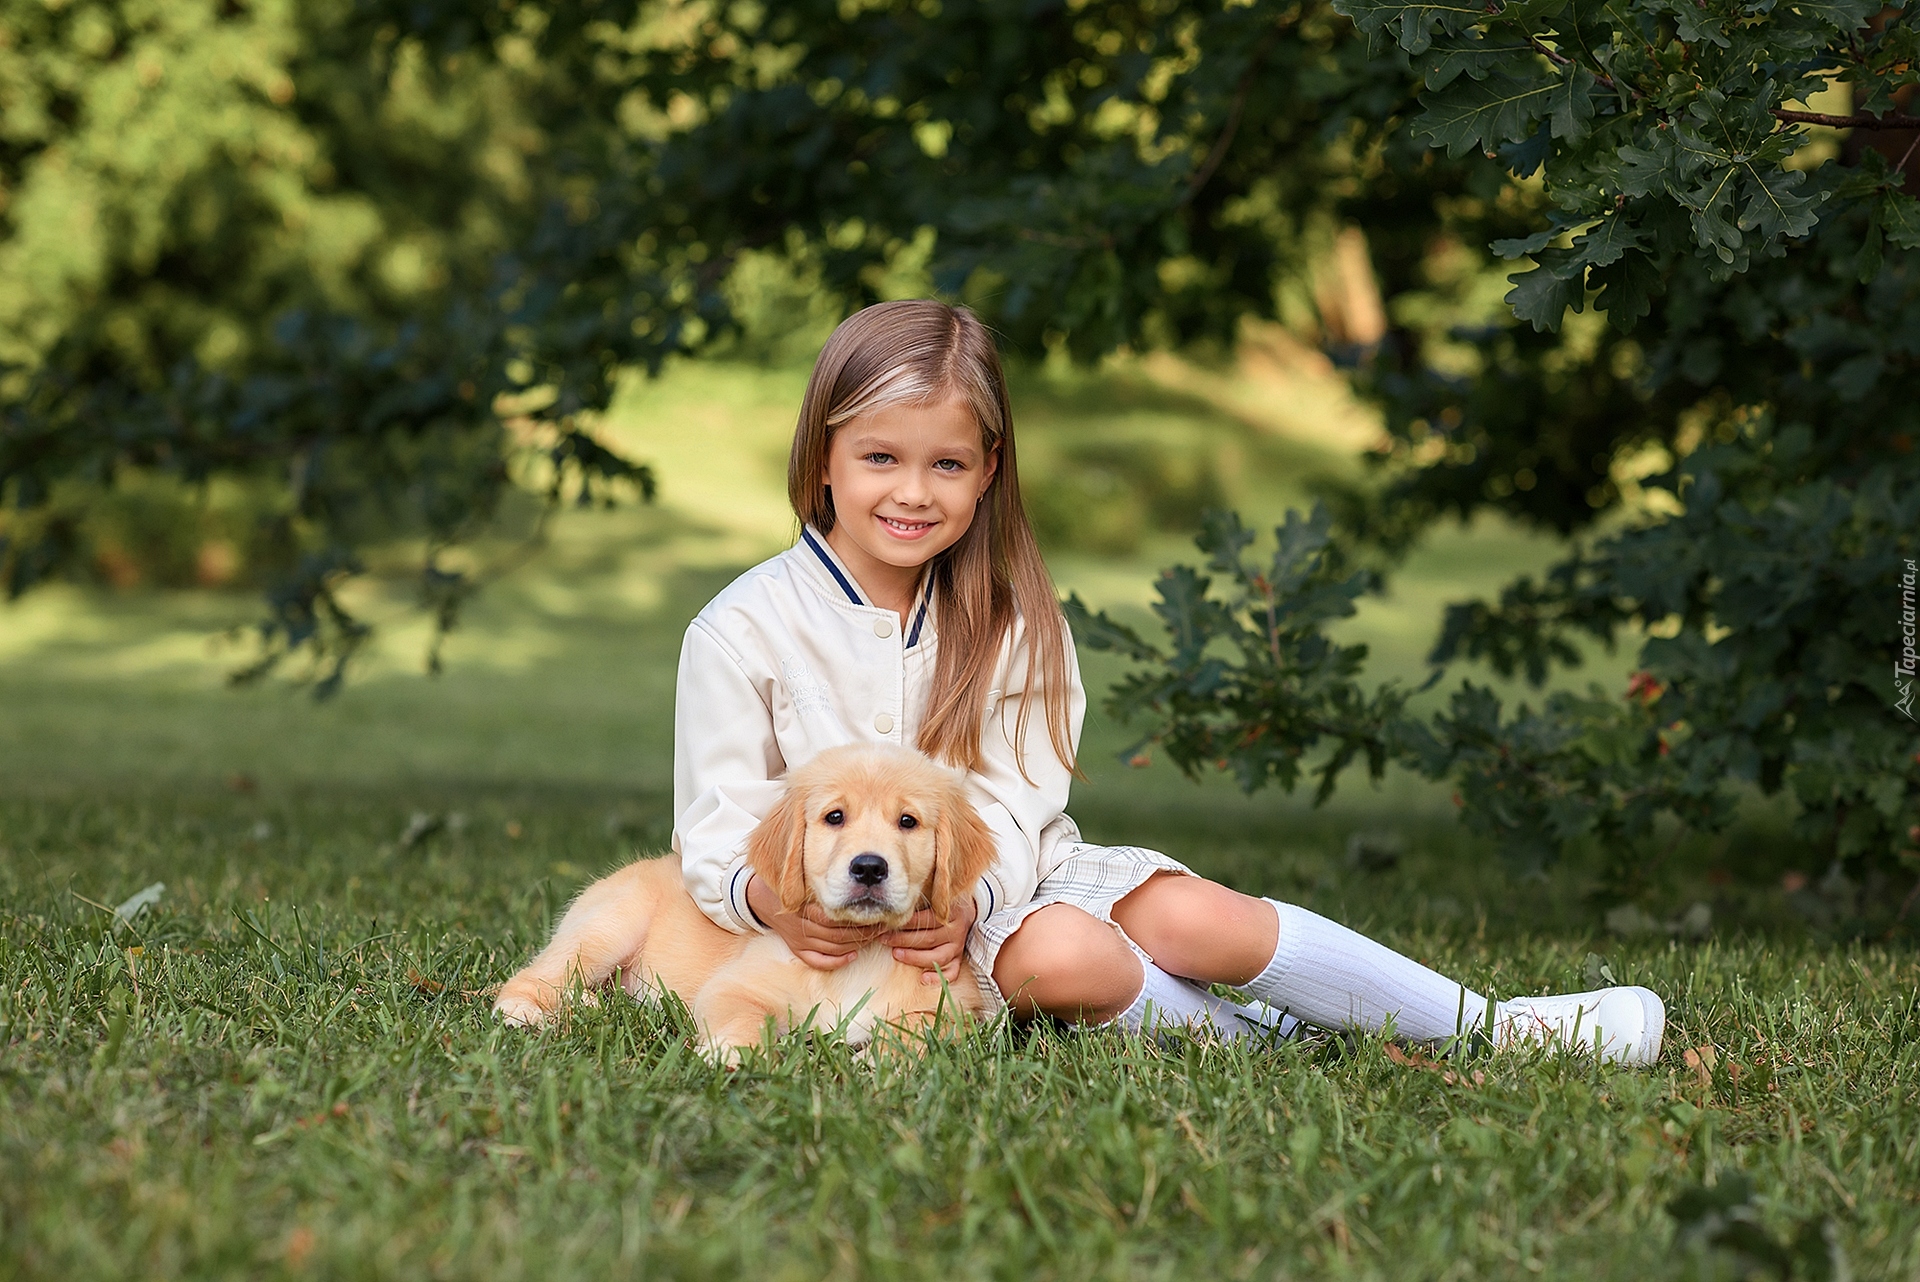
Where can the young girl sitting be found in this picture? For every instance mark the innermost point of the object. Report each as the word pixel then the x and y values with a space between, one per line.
pixel 915 609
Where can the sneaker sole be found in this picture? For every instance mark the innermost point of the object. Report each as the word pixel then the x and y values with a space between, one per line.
pixel 1653 1027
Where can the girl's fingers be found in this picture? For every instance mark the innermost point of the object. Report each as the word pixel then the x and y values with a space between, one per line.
pixel 838 932
pixel 928 958
pixel 843 938
pixel 922 920
pixel 923 939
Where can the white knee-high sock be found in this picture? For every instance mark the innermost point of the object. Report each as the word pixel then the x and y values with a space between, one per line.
pixel 1336 978
pixel 1168 1002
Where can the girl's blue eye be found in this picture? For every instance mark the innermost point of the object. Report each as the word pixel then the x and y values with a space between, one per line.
pixel 879 458
pixel 949 465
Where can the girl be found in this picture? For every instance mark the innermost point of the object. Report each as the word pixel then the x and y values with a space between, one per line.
pixel 915 609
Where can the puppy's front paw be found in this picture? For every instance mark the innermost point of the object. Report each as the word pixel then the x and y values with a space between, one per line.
pixel 722 1054
pixel 520 1012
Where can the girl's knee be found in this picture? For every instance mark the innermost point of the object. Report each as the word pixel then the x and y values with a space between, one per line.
pixel 1068 963
pixel 1199 928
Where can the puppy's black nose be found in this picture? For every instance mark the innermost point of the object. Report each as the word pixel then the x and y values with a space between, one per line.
pixel 868 870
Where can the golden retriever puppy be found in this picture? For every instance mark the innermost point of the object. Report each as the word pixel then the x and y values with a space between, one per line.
pixel 870 834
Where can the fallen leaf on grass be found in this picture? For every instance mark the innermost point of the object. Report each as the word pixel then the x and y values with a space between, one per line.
pixel 1418 1059
pixel 1701 1060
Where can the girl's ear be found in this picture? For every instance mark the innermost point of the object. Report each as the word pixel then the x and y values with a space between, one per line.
pixel 963 850
pixel 776 850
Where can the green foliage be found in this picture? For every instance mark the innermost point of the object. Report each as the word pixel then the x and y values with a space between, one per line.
pixel 1656 125
pixel 1583 768
pixel 316 248
pixel 1249 684
pixel 1279 689
pixel 1776 675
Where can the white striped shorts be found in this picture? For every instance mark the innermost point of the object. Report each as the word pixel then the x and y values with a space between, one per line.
pixel 1092 879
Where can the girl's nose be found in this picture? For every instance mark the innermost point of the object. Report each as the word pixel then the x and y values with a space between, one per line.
pixel 912 491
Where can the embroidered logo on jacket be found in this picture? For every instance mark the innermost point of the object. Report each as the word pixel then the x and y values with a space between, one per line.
pixel 809 693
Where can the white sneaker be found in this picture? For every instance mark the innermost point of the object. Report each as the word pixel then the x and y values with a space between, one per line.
pixel 1621 1025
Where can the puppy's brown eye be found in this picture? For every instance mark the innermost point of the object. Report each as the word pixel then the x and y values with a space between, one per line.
pixel 834 818
pixel 908 821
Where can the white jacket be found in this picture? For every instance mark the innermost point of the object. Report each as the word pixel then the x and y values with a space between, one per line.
pixel 790 660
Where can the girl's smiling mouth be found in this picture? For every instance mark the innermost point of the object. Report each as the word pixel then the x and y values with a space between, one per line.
pixel 904 529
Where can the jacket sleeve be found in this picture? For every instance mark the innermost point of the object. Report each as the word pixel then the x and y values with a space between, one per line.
pixel 1019 808
pixel 727 772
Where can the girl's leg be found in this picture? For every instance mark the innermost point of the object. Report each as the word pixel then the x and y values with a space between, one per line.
pixel 1068 963
pixel 1199 928
pixel 1298 961
pixel 1326 974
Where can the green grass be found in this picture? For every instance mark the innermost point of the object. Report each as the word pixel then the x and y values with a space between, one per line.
pixel 286 1066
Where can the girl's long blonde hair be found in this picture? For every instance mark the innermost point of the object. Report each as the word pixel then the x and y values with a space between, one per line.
pixel 921 353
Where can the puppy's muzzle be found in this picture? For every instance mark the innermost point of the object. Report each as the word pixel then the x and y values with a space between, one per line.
pixel 868 870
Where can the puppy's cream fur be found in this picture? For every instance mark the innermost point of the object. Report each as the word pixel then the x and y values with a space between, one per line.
pixel 639 924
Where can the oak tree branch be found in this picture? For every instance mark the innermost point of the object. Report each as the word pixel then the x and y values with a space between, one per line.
pixel 1861 121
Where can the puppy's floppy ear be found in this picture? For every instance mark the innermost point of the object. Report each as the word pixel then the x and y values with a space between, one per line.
pixel 963 850
pixel 776 850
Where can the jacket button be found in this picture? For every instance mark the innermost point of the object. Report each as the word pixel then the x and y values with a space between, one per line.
pixel 883 723
pixel 883 627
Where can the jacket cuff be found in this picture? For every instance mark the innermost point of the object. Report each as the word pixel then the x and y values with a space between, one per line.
pixel 988 898
pixel 742 912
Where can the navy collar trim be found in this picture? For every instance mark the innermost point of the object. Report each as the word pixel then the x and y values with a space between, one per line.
pixel 920 619
pixel 845 585
pixel 853 594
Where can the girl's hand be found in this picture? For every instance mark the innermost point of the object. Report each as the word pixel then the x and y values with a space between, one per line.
pixel 819 942
pixel 923 941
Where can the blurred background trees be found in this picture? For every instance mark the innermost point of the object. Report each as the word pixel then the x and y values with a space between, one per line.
pixel 336 273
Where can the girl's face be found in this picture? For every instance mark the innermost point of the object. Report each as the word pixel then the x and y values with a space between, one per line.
pixel 906 482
